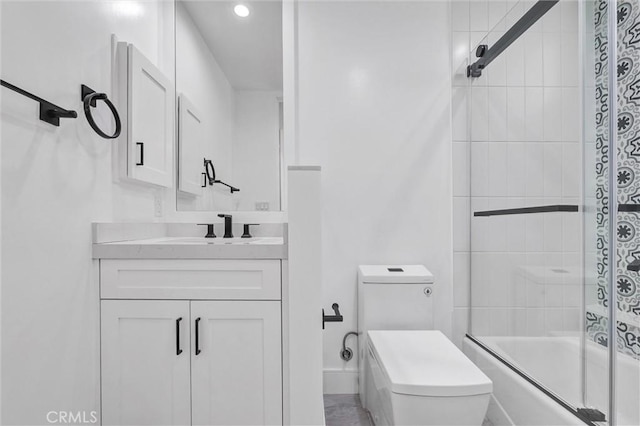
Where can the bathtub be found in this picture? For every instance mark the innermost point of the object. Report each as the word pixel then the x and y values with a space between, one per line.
pixel 558 363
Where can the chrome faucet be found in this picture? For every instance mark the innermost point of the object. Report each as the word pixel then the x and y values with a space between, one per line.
pixel 228 225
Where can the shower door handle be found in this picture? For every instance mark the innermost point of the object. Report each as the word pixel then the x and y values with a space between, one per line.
pixel 634 266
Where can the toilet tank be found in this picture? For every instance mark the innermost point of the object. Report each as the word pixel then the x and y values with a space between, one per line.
pixel 398 297
pixel 392 297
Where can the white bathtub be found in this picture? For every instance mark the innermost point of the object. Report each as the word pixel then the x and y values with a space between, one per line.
pixel 557 363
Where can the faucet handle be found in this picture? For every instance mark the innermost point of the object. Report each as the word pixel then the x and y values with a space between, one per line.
pixel 225 216
pixel 246 233
pixel 210 230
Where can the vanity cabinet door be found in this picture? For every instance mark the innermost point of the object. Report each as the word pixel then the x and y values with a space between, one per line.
pixel 145 381
pixel 150 121
pixel 236 367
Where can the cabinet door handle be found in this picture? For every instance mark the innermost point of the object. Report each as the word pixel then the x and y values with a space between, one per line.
pixel 198 336
pixel 178 350
pixel 141 162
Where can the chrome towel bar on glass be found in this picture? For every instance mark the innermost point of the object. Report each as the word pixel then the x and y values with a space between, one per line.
pixel 90 99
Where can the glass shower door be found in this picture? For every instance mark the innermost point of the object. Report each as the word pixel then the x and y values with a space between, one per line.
pixel 538 223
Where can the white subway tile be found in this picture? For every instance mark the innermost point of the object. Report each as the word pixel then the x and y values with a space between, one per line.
pixel 535 322
pixel 570 59
pixel 478 15
pixel 461 169
pixel 515 114
pixel 533 58
pixel 499 322
pixel 497 237
pixel 553 296
pixel 461 279
pixel 514 14
pixel 552 176
pixel 572 297
pixel 571 229
pixel 552 59
pixel 516 241
pixel 534 162
pixel 553 232
pixel 479 225
pixel 479 115
pixel 516 169
pixel 460 15
pixel 498 169
pixel 497 104
pixel 479 168
pixel 552 20
pixel 481 321
pixel 534 113
pixel 497 15
pixel 461 223
pixel 570 114
pixel 534 226
pixel 497 71
pixel 480 295
pixel 518 288
pixel 570 16
pixel 552 114
pixel 553 320
pixel 571 176
pixel 514 58
pixel 518 322
pixel 460 124
pixel 499 279
pixel 571 319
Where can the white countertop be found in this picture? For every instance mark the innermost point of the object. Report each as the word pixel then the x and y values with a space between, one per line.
pixel 193 248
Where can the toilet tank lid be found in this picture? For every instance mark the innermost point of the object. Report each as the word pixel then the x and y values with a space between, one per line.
pixel 426 363
pixel 394 274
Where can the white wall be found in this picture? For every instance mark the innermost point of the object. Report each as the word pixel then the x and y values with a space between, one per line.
pixel 200 78
pixel 256 149
pixel 55 182
pixel 374 112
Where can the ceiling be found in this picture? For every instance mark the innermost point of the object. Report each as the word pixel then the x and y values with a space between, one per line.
pixel 249 50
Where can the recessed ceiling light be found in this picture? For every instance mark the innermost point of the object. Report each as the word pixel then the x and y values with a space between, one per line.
pixel 241 10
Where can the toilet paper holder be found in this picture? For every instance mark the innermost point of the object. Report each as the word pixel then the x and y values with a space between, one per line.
pixel 337 317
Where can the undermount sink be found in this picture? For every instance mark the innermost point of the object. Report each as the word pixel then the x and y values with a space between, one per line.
pixel 217 241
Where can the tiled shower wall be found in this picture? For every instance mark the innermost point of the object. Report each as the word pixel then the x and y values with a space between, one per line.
pixel 627 296
pixel 516 131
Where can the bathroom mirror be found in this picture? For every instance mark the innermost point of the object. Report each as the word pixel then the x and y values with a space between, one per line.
pixel 229 105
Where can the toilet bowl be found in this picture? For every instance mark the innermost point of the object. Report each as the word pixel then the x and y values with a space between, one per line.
pixel 418 377
pixel 409 373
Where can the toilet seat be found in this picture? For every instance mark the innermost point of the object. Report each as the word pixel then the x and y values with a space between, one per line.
pixel 425 363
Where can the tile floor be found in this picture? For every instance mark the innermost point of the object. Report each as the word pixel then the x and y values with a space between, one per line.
pixel 345 410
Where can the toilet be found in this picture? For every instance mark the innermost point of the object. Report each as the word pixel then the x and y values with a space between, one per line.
pixel 411 374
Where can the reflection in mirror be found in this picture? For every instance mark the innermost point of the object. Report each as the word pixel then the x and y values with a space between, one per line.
pixel 229 89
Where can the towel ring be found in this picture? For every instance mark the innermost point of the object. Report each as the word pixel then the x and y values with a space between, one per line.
pixel 90 98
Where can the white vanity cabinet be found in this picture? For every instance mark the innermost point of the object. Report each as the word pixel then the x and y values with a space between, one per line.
pixel 209 353
pixel 236 368
pixel 144 380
